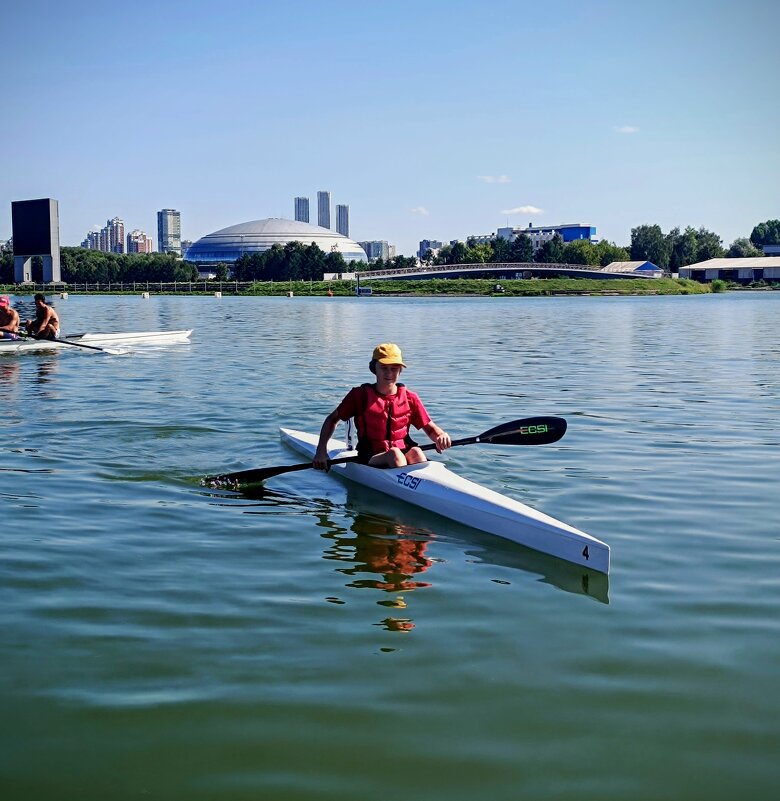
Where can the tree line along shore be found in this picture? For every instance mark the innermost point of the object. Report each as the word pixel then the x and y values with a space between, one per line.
pixel 433 287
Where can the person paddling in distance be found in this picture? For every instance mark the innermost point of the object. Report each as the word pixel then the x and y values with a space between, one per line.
pixel 383 413
pixel 46 324
pixel 9 319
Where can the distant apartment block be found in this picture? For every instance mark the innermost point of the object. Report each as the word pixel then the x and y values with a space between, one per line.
pixel 116 235
pixel 342 220
pixel 109 239
pixel 91 241
pixel 426 245
pixel 376 249
pixel 543 233
pixel 169 231
pixel 302 209
pixel 323 209
pixel 186 244
pixel 139 242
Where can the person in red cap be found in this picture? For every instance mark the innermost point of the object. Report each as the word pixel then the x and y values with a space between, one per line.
pixel 383 413
pixel 9 319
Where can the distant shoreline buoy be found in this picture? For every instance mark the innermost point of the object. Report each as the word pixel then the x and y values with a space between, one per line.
pixel 145 295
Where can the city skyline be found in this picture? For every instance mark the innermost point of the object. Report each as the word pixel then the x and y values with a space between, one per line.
pixel 619 115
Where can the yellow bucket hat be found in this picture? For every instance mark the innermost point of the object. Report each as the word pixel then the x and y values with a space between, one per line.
pixel 388 353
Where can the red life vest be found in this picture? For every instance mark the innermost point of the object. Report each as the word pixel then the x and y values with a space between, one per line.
pixel 384 421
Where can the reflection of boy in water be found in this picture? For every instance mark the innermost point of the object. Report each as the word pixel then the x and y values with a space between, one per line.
pixel 397 560
pixel 392 552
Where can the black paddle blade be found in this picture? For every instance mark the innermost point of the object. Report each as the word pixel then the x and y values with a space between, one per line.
pixel 248 477
pixel 529 431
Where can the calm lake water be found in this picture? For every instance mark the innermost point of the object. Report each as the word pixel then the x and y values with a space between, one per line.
pixel 160 640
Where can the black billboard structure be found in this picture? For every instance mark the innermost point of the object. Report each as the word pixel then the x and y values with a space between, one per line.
pixel 36 232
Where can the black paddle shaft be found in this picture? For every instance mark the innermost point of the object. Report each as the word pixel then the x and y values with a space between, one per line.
pixel 528 431
pixel 74 344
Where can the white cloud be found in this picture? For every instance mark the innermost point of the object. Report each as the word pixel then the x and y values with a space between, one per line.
pixel 421 210
pixel 494 179
pixel 523 210
pixel 626 129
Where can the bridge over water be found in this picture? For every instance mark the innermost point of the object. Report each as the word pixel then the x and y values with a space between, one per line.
pixel 497 270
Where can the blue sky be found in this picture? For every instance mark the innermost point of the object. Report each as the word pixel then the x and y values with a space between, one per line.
pixel 430 119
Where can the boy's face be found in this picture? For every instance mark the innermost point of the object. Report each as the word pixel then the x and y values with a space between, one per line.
pixel 388 372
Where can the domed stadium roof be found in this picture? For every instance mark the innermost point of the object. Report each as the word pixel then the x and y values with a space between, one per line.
pixel 229 244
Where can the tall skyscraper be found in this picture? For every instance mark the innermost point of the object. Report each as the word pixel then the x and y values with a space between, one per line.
pixel 169 231
pixel 116 235
pixel 342 219
pixel 323 209
pixel 302 209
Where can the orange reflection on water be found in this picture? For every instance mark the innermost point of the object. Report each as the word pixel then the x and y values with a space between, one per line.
pixel 396 560
pixel 385 556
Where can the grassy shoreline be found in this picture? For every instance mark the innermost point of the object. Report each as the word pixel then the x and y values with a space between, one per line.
pixel 432 287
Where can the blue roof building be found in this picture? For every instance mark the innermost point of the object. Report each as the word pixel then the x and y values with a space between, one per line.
pixel 543 233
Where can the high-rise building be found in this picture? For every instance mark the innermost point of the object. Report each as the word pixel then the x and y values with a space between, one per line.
pixel 91 240
pixel 426 245
pixel 302 209
pixel 169 231
pixel 115 235
pixel 109 239
pixel 139 242
pixel 323 209
pixel 376 249
pixel 342 220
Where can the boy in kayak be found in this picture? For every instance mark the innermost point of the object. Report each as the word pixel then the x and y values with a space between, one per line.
pixel 9 319
pixel 383 412
pixel 46 324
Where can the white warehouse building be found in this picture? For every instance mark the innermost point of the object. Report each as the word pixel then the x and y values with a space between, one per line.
pixel 742 271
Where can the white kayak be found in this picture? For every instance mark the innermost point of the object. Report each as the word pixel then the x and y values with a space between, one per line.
pixel 127 339
pixel 432 486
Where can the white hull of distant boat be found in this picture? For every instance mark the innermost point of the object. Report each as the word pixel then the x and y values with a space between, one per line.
pixel 433 487
pixel 127 339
